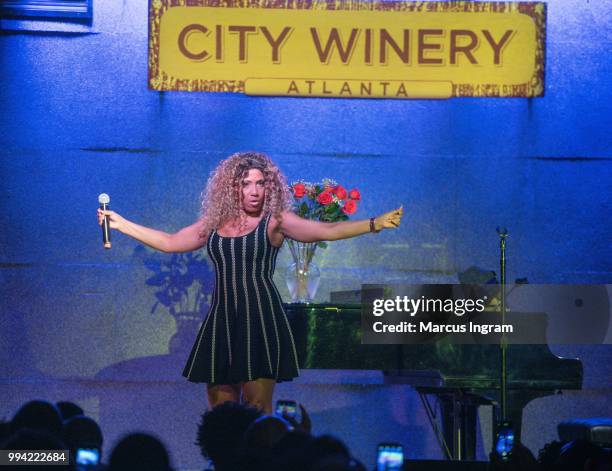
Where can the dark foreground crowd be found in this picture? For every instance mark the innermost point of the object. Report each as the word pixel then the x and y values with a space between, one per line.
pixel 235 437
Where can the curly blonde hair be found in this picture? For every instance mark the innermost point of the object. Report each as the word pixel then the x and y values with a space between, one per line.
pixel 221 196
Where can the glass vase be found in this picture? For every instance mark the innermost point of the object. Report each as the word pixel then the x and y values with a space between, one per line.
pixel 303 275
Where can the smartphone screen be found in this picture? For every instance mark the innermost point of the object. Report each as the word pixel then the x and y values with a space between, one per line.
pixel 288 408
pixel 87 456
pixel 390 456
pixel 505 442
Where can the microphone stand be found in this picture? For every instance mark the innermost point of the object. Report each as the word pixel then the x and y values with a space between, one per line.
pixel 503 234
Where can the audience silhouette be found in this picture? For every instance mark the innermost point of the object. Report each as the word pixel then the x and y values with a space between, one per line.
pixel 239 437
pixel 69 409
pixel 221 430
pixel 139 452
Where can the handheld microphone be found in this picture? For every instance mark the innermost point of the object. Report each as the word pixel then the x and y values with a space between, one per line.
pixel 104 199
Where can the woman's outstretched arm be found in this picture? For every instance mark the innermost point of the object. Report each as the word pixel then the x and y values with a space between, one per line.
pixel 305 230
pixel 185 240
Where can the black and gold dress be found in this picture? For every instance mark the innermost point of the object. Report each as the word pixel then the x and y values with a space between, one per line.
pixel 245 335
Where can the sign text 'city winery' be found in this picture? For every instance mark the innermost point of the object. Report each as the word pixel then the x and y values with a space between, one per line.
pixel 348 48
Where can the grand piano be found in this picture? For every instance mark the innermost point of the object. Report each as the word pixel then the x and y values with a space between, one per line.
pixel 462 377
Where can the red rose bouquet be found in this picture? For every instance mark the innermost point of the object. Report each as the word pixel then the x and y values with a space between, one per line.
pixel 325 201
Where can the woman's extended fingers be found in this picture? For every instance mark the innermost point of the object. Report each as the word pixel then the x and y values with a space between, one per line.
pixel 394 218
pixel 390 220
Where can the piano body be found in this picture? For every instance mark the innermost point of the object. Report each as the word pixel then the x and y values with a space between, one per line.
pixel 462 377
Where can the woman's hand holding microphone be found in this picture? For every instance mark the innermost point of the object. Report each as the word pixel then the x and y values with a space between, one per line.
pixel 115 221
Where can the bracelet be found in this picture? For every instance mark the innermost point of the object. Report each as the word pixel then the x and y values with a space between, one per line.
pixel 372 227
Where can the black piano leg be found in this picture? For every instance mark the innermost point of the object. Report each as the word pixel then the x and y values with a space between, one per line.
pixel 447 411
pixel 459 416
pixel 469 431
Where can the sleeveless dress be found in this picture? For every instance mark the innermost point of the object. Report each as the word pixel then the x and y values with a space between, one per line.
pixel 246 334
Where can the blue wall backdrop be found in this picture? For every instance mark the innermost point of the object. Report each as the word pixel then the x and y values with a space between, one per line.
pixel 77 120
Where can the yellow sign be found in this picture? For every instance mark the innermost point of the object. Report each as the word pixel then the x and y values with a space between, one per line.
pixel 348 48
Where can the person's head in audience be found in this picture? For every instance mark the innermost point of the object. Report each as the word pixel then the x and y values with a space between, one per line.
pixel 291 449
pixel 69 409
pixel 548 455
pixel 328 453
pixel 299 451
pixel 38 415
pixel 294 440
pixel 581 455
pixel 254 459
pixel 83 433
pixel 326 445
pixel 221 431
pixel 266 431
pixel 31 439
pixel 139 452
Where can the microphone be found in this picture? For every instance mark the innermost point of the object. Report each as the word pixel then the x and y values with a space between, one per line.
pixel 104 199
pixel 502 231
